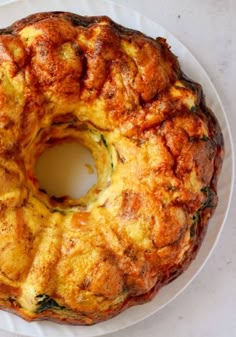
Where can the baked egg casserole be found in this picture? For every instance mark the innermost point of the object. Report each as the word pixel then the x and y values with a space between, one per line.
pixel 158 152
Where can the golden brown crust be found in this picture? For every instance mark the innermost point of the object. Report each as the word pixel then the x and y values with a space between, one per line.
pixel 158 152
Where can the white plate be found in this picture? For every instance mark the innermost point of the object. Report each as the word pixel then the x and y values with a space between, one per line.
pixel 16 10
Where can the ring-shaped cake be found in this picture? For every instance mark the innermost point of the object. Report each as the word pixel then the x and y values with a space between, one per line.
pixel 158 152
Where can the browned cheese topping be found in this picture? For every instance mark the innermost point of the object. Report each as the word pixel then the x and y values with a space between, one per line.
pixel 158 152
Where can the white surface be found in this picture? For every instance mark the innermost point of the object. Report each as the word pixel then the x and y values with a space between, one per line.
pixel 61 169
pixel 207 306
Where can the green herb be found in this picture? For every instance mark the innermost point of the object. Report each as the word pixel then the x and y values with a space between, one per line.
pixel 209 202
pixel 205 190
pixel 103 139
pixel 56 210
pixel 192 231
pixel 204 138
pixel 45 302
pixel 196 217
pixel 210 194
pixel 193 109
pixel 196 220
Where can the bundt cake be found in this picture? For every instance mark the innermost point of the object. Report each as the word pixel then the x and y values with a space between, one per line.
pixel 158 152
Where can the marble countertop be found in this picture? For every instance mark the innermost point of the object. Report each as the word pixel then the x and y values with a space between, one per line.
pixel 207 308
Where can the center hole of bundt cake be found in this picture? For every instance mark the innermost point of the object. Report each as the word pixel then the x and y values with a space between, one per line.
pixel 66 170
